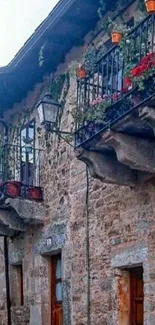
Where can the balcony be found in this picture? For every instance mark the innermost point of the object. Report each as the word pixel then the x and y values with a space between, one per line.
pixel 20 190
pixel 115 106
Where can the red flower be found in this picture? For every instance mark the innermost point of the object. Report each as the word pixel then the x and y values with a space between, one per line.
pixel 115 96
pixel 128 82
pixel 137 72
pixel 148 60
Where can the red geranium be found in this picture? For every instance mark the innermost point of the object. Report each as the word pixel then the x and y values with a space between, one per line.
pixel 128 82
pixel 137 72
pixel 146 63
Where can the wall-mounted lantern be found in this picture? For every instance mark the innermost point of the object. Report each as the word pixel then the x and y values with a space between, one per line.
pixel 49 112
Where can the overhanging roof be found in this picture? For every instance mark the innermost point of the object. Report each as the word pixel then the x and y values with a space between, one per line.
pixel 64 28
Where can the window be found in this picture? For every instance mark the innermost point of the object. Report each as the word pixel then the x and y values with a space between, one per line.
pixel 56 290
pixel 27 140
pixel 136 297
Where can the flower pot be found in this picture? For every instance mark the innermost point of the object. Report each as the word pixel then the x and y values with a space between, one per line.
pixel 150 6
pixel 116 37
pixel 81 73
pixel 13 188
pixel 35 193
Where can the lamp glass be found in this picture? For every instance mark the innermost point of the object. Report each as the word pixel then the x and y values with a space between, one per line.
pixel 41 113
pixel 51 111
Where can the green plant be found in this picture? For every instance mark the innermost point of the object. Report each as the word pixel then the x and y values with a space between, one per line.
pixel 73 66
pixel 97 111
pixel 118 27
pixel 90 58
pixel 57 86
pixel 41 56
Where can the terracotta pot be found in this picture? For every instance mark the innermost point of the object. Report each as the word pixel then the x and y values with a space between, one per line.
pixel 81 73
pixel 116 37
pixel 35 193
pixel 13 189
pixel 150 6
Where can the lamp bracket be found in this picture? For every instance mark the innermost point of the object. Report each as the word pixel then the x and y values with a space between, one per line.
pixel 48 128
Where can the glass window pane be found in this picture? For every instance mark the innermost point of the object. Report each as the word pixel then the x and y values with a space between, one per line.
pixel 31 131
pixel 23 136
pixel 59 291
pixel 58 268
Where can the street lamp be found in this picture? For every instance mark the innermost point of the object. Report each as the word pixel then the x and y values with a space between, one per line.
pixel 49 112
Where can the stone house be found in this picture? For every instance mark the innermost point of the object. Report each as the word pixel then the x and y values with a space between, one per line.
pixel 77 217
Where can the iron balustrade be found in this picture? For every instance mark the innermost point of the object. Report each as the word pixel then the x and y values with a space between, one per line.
pixel 108 80
pixel 23 164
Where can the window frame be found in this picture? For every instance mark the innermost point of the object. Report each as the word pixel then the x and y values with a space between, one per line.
pixel 26 127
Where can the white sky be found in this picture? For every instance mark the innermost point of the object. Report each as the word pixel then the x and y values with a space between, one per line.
pixel 18 20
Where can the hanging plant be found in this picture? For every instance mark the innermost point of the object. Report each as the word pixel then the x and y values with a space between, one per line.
pixel 90 58
pixel 81 72
pixel 41 56
pixel 57 86
pixel 118 31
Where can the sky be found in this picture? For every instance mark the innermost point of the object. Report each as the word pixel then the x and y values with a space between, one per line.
pixel 18 20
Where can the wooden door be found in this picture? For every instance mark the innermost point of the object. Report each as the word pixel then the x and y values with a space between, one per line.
pixel 56 291
pixel 137 297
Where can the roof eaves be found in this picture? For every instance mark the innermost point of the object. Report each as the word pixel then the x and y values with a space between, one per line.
pixel 56 14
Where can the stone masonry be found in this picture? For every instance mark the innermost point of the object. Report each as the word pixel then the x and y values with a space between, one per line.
pixel 119 228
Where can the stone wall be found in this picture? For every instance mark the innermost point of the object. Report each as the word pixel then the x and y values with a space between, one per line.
pixel 117 231
pixel 2 285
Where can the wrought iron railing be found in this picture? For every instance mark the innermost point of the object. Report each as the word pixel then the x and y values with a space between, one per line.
pixel 23 164
pixel 108 80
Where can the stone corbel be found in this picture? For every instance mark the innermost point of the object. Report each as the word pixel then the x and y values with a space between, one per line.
pixel 31 212
pixel 10 218
pixel 135 152
pixel 147 114
pixel 106 168
pixel 6 231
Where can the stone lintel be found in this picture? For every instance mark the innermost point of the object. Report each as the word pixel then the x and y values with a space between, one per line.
pixel 130 257
pixel 107 168
pixel 135 152
pixel 147 114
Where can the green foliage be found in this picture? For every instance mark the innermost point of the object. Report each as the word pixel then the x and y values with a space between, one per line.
pixel 97 111
pixel 90 58
pixel 57 86
pixel 41 56
pixel 118 27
